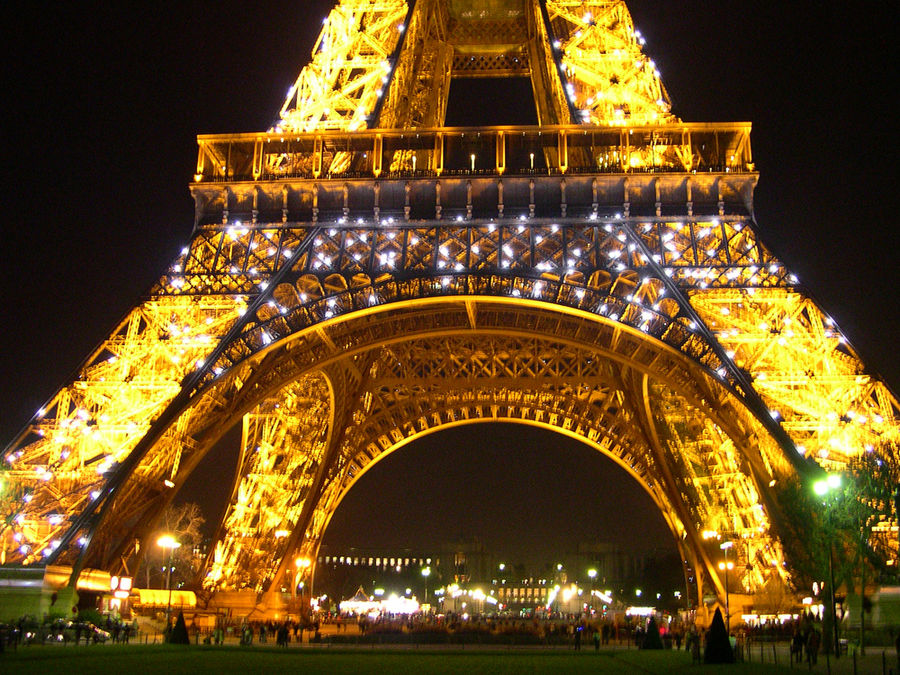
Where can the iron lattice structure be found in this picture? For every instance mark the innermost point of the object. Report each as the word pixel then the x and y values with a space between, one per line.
pixel 360 276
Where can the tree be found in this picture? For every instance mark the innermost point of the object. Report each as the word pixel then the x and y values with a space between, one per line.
pixel 184 522
pixel 830 536
pixel 652 639
pixel 844 520
pixel 774 597
pixel 179 635
pixel 802 534
pixel 718 645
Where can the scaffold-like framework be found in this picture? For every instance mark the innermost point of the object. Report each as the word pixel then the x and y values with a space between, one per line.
pixel 350 287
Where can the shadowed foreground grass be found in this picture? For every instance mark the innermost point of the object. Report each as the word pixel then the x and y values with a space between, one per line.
pixel 174 660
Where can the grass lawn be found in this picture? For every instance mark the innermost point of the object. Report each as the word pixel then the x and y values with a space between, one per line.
pixel 173 660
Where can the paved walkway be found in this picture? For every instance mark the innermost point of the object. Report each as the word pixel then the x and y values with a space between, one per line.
pixel 876 661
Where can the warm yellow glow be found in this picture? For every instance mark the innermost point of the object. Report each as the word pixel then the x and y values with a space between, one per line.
pixel 168 541
pixel 156 597
pixel 349 69
pixel 121 389
pixel 797 359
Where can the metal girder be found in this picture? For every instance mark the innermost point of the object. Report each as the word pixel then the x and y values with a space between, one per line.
pixel 351 63
pixel 607 77
pixel 370 48
pixel 356 280
pixel 419 385
pixel 582 266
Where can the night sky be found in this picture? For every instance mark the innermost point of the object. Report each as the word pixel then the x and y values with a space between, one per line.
pixel 106 103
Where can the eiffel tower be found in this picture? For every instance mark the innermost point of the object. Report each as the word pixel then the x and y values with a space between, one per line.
pixel 361 275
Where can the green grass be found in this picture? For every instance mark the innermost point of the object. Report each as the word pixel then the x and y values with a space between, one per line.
pixel 173 660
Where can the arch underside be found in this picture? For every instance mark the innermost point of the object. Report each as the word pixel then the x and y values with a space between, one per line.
pixel 800 363
pixel 698 476
pixel 662 335
pixel 321 407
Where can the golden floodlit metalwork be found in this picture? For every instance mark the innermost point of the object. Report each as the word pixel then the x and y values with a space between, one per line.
pixel 360 276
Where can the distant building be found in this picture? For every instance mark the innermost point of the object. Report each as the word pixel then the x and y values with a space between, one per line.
pixel 482 581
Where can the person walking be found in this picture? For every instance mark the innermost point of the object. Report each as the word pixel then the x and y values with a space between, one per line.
pixel 812 646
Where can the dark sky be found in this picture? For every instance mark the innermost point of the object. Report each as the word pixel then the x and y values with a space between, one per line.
pixel 106 102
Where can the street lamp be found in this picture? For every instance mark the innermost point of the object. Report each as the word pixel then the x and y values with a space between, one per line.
pixel 592 573
pixel 303 564
pixel 831 483
pixel 168 542
pixel 426 572
pixel 726 566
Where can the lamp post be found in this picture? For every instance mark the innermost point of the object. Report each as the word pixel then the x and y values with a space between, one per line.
pixel 168 542
pixel 897 516
pixel 592 574
pixel 726 566
pixel 303 564
pixel 831 483
pixel 426 572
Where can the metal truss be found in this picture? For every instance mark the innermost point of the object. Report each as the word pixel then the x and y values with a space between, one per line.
pixel 282 445
pixel 351 64
pixel 346 293
pixel 608 79
pixel 585 60
pixel 805 371
pixel 589 267
pixel 420 83
pixel 61 461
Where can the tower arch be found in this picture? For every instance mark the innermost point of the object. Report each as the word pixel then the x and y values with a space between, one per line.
pixel 313 422
pixel 344 235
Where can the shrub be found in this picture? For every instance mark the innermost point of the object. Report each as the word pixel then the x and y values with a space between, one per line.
pixel 718 646
pixel 179 634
